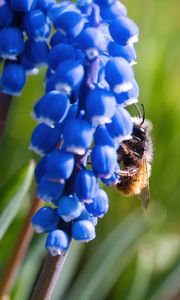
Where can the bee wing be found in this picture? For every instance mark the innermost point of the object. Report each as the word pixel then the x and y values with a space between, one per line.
pixel 145 193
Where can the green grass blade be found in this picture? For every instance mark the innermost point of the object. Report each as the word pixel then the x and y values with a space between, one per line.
pixel 115 246
pixel 13 194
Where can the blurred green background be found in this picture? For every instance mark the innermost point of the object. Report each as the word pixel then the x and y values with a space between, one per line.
pixel 136 255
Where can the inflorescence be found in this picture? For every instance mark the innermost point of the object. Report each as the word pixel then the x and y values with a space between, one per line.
pixel 24 30
pixel 82 116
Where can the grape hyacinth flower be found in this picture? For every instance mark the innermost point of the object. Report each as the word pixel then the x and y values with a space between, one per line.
pixel 24 31
pixel 83 116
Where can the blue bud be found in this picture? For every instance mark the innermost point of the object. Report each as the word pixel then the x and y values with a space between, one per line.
pixel 58 38
pixel 69 23
pixel 57 242
pixel 36 25
pixel 104 159
pixel 40 169
pixel 85 216
pixel 110 13
pixel 128 52
pixel 83 231
pixel 100 106
pixel 129 97
pixel 119 75
pixel 25 5
pixel 102 137
pixel 45 219
pixel 121 127
pixel 60 165
pixel 100 204
pixel 36 51
pixel 11 42
pixel 77 136
pixel 124 31
pixel 93 42
pixel 44 5
pixel 57 9
pixel 60 53
pixel 52 108
pixel 69 208
pixel 69 76
pixel 44 139
pixel 86 186
pixel 49 191
pixel 13 79
pixel 6 14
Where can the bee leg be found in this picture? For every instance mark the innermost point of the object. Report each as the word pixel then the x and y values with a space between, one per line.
pixel 131 171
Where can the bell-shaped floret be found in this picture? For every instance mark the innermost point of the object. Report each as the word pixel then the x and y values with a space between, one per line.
pixel 100 106
pixel 128 52
pixel 119 75
pixel 6 14
pixel 77 136
pixel 45 219
pixel 36 25
pixel 37 51
pixel 13 79
pixel 85 216
pixel 104 160
pixel 129 97
pixel 60 53
pixel 83 231
pixel 102 137
pixel 30 68
pixel 11 42
pixel 49 191
pixel 70 23
pixel 69 76
pixel 57 242
pixel 58 9
pixel 24 6
pixel 59 165
pixel 86 186
pixel 40 169
pixel 100 204
pixel 124 31
pixel 52 108
pixel 69 208
pixel 121 126
pixel 44 139
pixel 114 178
pixel 110 13
pixel 92 41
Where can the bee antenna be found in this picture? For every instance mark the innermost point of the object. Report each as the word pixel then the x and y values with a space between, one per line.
pixel 139 111
pixel 143 114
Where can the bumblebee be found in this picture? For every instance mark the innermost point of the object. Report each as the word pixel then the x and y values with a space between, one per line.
pixel 134 158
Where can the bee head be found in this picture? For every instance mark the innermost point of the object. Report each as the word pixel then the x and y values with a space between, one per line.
pixel 139 132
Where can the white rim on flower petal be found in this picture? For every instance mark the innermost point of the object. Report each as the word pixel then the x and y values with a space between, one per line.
pixel 122 87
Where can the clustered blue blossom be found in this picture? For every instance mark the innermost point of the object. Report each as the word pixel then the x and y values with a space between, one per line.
pixel 24 30
pixel 82 116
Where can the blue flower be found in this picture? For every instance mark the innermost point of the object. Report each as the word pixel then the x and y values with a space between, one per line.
pixel 59 165
pixel 69 208
pixel 83 231
pixel 11 42
pixel 60 53
pixel 13 79
pixel 57 242
pixel 110 13
pixel 124 31
pixel 86 186
pixel 45 219
pixel 100 106
pixel 40 169
pixel 37 52
pixel 52 108
pixel 100 204
pixel 49 191
pixel 77 136
pixel 44 139
pixel 102 137
pixel 104 160
pixel 128 52
pixel 85 216
pixel 6 14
